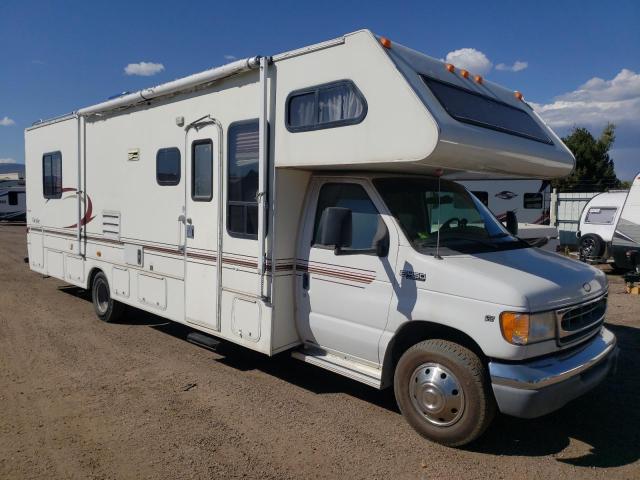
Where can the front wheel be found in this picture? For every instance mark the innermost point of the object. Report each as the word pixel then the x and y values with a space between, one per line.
pixel 443 392
pixel 107 309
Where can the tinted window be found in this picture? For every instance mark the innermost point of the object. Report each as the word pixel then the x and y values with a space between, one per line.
pixel 364 216
pixel 202 170
pixel 471 107
pixel 601 215
pixel 242 180
pixel 331 105
pixel 168 166
pixel 532 200
pixel 483 197
pixel 52 175
pixel 13 198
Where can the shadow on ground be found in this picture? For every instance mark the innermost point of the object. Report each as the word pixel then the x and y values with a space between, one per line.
pixel 607 418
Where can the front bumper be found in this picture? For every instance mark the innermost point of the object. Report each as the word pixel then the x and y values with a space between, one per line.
pixel 535 388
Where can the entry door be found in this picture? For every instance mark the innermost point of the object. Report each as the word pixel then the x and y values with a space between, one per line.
pixel 344 299
pixel 201 226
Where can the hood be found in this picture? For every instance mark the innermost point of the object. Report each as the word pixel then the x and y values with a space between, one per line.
pixel 529 277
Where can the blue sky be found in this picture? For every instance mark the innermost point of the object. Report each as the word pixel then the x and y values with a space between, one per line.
pixel 578 61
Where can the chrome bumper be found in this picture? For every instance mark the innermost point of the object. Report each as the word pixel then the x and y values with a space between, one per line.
pixel 535 388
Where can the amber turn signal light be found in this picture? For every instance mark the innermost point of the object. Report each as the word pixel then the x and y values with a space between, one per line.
pixel 385 42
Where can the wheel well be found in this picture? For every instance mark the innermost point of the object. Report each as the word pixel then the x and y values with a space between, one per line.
pixel 94 271
pixel 416 331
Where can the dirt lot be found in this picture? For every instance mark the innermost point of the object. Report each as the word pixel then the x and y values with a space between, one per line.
pixel 84 399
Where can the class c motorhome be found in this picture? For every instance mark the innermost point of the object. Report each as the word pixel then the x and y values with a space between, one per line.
pixel 12 197
pixel 295 203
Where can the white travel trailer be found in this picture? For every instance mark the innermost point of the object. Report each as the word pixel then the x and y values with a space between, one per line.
pixel 610 228
pixel 528 199
pixel 295 203
pixel 12 197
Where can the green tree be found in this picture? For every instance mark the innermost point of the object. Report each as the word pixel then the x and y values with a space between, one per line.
pixel 594 170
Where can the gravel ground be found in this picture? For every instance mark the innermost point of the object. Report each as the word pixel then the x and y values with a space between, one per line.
pixel 84 399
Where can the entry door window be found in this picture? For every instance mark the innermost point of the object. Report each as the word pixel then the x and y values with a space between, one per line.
pixel 365 219
pixel 202 170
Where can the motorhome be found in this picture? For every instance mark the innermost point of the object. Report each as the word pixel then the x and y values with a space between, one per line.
pixel 528 199
pixel 608 229
pixel 296 203
pixel 12 197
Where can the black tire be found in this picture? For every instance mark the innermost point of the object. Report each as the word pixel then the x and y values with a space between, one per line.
pixel 590 246
pixel 107 309
pixel 454 417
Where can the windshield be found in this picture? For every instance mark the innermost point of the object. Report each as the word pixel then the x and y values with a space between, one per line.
pixel 464 223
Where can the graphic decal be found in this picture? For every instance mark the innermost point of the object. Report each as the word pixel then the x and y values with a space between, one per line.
pixel 506 195
pixel 88 211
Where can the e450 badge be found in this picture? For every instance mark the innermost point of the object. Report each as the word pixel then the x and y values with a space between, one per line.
pixel 411 275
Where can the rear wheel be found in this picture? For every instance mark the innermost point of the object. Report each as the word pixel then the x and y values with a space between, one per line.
pixel 443 392
pixel 590 246
pixel 107 309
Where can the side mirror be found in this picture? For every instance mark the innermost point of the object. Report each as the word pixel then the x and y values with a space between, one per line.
pixel 335 227
pixel 512 222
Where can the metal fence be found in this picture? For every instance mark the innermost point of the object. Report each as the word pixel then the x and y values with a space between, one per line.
pixel 566 209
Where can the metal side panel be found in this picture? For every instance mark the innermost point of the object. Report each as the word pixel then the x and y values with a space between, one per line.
pixel 348 368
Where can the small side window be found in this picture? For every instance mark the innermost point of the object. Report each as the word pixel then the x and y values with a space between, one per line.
pixel 601 215
pixel 52 175
pixel 202 170
pixel 532 200
pixel 242 179
pixel 13 198
pixel 483 197
pixel 330 105
pixel 168 166
pixel 366 223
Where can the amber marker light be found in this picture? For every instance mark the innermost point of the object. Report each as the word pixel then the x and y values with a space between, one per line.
pixel 450 68
pixel 518 95
pixel 478 79
pixel 385 42
pixel 464 73
pixel 515 327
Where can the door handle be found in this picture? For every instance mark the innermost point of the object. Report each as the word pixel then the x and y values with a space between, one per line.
pixel 305 280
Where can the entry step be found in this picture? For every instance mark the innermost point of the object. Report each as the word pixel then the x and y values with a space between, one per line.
pixel 349 368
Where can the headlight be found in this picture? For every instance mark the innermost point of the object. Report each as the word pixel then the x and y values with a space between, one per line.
pixel 522 328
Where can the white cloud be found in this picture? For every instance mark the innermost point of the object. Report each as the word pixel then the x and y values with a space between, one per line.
pixel 596 102
pixel 517 66
pixel 470 59
pixel 143 69
pixel 230 57
pixel 7 160
pixel 6 122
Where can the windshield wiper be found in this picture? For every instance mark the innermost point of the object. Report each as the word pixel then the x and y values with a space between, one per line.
pixel 443 242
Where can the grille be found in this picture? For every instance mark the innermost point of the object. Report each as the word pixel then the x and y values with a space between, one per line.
pixel 580 320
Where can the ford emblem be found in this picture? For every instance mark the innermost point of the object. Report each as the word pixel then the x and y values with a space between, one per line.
pixel 587 287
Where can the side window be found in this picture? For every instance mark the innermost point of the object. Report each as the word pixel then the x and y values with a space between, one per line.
pixel 13 198
pixel 202 170
pixel 242 180
pixel 365 218
pixel 601 215
pixel 325 106
pixel 168 166
pixel 532 200
pixel 483 197
pixel 52 175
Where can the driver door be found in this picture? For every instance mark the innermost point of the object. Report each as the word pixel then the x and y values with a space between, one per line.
pixel 345 298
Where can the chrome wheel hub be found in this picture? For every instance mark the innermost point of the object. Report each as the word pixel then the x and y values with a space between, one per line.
pixel 436 394
pixel 102 297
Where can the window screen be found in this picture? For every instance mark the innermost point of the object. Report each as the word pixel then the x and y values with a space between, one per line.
pixel 483 197
pixel 364 215
pixel 242 180
pixel 52 175
pixel 13 198
pixel 471 107
pixel 168 166
pixel 202 170
pixel 532 200
pixel 325 106
pixel 601 215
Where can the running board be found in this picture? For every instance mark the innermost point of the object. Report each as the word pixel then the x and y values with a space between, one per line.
pixel 203 340
pixel 356 371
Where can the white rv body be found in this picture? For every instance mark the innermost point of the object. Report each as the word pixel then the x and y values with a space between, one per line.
pixel 12 197
pixel 229 241
pixel 625 244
